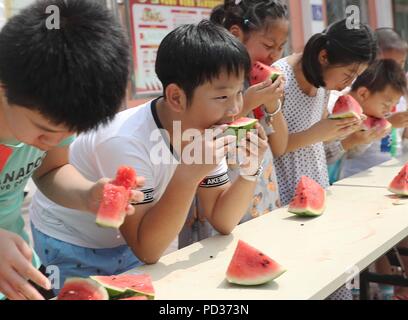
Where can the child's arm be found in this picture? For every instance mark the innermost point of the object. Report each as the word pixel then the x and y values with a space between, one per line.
pixel 399 119
pixel 63 184
pixel 150 231
pixel 16 267
pixel 279 136
pixel 225 206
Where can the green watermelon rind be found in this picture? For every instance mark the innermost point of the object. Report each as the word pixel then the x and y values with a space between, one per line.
pixel 240 130
pixel 258 281
pixel 95 284
pixel 276 75
pixel 398 192
pixel 117 293
pixel 345 115
pixel 110 223
pixel 308 212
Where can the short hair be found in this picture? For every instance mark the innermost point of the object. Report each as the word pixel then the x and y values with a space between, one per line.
pixel 344 45
pixel 389 40
pixel 192 54
pixel 76 75
pixel 379 75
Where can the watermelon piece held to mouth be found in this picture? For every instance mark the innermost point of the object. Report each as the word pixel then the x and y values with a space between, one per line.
pixel 250 267
pixel 399 185
pixel 346 107
pixel 259 73
pixel 82 289
pixel 127 285
pixel 116 195
pixel 309 199
pixel 240 127
pixel 381 124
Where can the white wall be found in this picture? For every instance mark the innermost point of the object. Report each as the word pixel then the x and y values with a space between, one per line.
pixel 311 26
pixel 2 13
pixel 384 13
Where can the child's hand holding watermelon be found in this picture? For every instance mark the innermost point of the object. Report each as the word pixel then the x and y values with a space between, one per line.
pixel 111 199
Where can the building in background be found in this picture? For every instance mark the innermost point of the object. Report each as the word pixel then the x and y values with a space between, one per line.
pixel 148 21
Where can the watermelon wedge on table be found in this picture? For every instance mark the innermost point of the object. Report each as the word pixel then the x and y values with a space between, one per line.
pixel 259 73
pixel 250 267
pixel 309 199
pixel 82 289
pixel 399 184
pixel 127 285
pixel 116 195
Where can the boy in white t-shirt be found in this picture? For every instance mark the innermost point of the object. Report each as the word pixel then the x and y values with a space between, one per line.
pixel 202 69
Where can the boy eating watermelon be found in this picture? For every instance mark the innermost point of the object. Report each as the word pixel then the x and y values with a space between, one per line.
pixel 167 140
pixel 53 82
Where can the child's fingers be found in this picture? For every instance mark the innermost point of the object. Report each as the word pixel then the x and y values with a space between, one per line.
pixel 140 181
pixel 347 122
pixel 136 196
pixel 9 292
pixel 22 286
pixel 27 271
pixel 24 248
pixel 261 131
pixel 130 210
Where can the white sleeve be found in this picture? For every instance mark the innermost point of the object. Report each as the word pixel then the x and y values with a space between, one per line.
pixel 217 177
pixel 119 151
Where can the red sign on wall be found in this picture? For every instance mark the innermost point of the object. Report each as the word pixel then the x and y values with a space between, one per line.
pixel 151 21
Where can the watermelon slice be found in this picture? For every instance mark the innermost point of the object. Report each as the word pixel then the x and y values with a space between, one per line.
pixel 399 185
pixel 240 127
pixel 346 107
pixel 259 73
pixel 136 298
pixel 371 123
pixel 82 289
pixel 125 177
pixel 5 153
pixel 127 285
pixel 309 200
pixel 112 210
pixel 250 267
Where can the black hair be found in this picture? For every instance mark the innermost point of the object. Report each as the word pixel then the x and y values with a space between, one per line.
pixel 344 46
pixel 379 75
pixel 249 15
pixel 388 40
pixel 193 54
pixel 76 75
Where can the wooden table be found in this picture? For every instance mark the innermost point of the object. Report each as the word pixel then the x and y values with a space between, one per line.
pixel 360 225
pixel 380 176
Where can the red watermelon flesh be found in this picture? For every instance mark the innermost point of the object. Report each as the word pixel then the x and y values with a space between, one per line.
pixel 251 267
pixel 259 73
pixel 138 284
pixel 112 210
pixel 309 199
pixel 399 185
pixel 82 289
pixel 346 107
pixel 125 177
pixel 372 122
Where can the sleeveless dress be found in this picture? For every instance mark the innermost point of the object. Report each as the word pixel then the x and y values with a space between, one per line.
pixel 301 112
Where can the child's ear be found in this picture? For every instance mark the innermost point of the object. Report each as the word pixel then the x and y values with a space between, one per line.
pixel 363 94
pixel 324 58
pixel 237 32
pixel 176 98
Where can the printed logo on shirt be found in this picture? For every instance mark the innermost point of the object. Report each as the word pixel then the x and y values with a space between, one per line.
pixel 215 181
pixel 13 179
pixel 148 197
